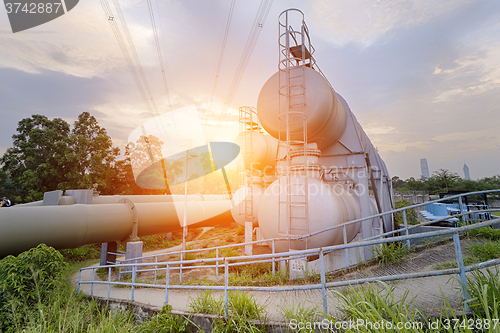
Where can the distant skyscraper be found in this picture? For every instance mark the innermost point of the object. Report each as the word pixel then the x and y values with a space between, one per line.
pixel 466 172
pixel 425 169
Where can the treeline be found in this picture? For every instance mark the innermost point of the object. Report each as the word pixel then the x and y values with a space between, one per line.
pixel 445 181
pixel 49 155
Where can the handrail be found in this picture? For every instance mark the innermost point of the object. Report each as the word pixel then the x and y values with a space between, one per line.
pixel 136 268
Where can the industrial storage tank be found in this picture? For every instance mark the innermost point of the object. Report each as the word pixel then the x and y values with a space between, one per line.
pixel 327 206
pixel 325 115
pixel 241 198
pixel 263 151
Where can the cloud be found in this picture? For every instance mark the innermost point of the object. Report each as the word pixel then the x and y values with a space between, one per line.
pixel 365 21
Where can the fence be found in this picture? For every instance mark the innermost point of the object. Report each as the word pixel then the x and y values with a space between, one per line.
pixel 226 262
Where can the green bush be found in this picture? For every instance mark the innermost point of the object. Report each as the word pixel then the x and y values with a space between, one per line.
pixel 83 253
pixel 411 214
pixel 26 280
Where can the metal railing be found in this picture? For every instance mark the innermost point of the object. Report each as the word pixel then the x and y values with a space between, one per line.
pixel 226 262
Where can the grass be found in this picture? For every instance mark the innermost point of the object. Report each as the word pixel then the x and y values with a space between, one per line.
pixel 484 290
pixel 298 313
pixel 206 303
pixel 241 307
pixel 240 304
pixel 372 304
pixel 389 253
pixel 159 241
pixel 377 298
pixel 485 232
pixel 165 321
pixel 485 251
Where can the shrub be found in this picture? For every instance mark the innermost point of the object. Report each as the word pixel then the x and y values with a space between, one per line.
pixel 27 279
pixel 83 253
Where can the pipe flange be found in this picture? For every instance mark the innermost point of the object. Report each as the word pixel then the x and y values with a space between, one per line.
pixel 305 152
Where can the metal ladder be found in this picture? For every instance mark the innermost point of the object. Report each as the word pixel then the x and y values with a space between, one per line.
pixel 295 56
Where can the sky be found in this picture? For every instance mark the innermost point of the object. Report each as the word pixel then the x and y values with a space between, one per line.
pixel 422 77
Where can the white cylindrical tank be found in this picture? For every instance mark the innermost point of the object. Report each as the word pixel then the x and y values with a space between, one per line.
pixel 326 206
pixel 238 203
pixel 264 149
pixel 326 116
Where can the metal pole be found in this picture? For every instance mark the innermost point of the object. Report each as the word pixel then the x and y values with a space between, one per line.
pixel 346 250
pixel 184 220
pixel 226 282
pixel 406 228
pixel 92 284
pixel 460 263
pixel 464 218
pixel 274 260
pixel 79 280
pixel 323 282
pixel 133 283
pixel 167 283
pixel 109 281
pixel 156 267
pixel 217 265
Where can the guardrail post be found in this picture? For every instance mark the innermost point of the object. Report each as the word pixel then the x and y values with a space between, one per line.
pixel 406 228
pixel 460 263
pixel 274 259
pixel 156 267
pixel 133 283
pixel 92 283
pixel 346 250
pixel 323 283
pixel 180 268
pixel 217 266
pixel 226 282
pixel 464 217
pixel 79 280
pixel 167 283
pixel 109 281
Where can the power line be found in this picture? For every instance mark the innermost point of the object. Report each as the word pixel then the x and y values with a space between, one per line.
pixel 221 54
pixel 134 53
pixel 158 50
pixel 258 24
pixel 131 66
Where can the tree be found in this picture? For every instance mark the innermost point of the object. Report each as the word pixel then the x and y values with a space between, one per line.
pixel 397 183
pixel 93 156
pixel 441 179
pixel 144 154
pixel 38 160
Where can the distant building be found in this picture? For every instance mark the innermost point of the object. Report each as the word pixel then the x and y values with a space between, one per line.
pixel 425 169
pixel 466 172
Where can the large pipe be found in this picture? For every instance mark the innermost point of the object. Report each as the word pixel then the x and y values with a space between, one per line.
pixel 72 226
pixel 108 199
